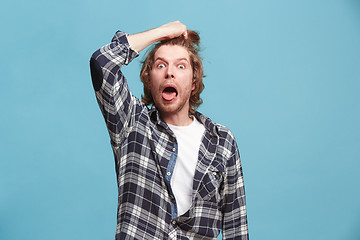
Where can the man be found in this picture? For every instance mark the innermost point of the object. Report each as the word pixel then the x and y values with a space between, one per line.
pixel 179 174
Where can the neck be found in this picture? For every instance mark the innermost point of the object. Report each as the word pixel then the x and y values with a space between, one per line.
pixel 176 119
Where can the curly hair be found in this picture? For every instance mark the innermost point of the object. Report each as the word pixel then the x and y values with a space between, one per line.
pixel 192 46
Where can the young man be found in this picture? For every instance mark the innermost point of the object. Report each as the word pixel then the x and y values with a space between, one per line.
pixel 179 174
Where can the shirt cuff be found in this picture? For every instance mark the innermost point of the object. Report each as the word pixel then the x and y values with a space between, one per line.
pixel 121 38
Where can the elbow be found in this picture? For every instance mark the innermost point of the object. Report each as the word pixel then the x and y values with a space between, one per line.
pixel 96 74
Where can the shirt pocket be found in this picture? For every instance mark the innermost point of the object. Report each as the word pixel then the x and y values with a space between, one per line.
pixel 211 185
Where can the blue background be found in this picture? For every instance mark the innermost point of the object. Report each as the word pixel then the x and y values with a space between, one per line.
pixel 283 75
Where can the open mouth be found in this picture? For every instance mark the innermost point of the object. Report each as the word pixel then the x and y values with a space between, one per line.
pixel 169 93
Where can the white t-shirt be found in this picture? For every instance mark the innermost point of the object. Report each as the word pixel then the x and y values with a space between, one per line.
pixel 189 140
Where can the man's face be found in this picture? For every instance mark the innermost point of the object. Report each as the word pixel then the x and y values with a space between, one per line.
pixel 171 80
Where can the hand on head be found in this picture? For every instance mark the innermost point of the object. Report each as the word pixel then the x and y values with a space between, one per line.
pixel 170 30
pixel 174 29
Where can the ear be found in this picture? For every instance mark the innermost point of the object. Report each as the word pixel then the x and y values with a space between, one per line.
pixel 148 84
pixel 193 84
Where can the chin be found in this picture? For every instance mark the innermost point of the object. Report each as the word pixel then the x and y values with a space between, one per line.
pixel 167 108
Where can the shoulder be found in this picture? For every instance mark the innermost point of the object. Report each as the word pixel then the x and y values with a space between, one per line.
pixel 227 143
pixel 226 139
pixel 224 132
pixel 215 128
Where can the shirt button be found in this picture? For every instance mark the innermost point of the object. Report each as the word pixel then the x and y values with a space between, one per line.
pixel 168 173
pixel 174 149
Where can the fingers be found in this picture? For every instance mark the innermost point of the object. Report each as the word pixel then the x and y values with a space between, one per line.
pixel 175 29
pixel 185 34
pixel 181 29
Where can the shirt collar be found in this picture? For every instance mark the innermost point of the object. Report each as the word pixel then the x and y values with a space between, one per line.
pixel 207 122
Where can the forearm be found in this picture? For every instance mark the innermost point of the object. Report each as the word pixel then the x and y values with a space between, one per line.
pixel 141 40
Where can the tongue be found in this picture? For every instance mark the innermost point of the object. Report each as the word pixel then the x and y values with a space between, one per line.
pixel 168 96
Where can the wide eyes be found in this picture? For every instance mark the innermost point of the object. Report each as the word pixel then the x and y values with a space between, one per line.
pixel 162 65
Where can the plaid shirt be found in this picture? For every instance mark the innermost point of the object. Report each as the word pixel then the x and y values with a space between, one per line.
pixel 145 151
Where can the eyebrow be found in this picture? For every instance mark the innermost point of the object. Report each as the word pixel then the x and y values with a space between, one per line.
pixel 164 60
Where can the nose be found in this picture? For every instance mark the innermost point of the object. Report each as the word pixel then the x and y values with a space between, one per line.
pixel 169 73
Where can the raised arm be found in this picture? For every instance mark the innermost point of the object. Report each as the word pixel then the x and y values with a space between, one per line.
pixel 140 41
pixel 116 102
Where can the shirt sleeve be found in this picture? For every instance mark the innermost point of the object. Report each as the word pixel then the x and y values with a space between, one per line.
pixel 234 209
pixel 113 95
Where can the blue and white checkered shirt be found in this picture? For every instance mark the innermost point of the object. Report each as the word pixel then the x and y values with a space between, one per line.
pixel 145 151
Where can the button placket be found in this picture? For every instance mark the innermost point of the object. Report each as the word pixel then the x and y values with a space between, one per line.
pixel 168 174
